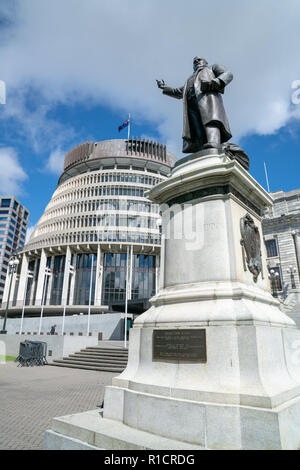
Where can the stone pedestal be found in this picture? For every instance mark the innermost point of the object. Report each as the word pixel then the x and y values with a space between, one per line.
pixel 245 394
pixel 291 306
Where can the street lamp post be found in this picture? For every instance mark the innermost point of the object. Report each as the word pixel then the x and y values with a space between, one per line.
pixel 292 271
pixel 273 276
pixel 13 266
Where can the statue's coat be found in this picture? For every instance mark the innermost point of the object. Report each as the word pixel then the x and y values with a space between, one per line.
pixel 210 105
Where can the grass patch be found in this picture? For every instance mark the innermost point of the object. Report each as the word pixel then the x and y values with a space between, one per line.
pixel 7 358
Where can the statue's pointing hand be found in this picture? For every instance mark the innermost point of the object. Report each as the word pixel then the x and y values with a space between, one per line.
pixel 161 84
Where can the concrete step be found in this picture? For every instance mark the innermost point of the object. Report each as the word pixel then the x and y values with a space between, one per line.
pixel 102 353
pixel 110 348
pixel 87 353
pixel 88 363
pixel 86 367
pixel 107 350
pixel 95 358
pixel 91 354
pixel 78 357
pixel 100 358
pixel 107 434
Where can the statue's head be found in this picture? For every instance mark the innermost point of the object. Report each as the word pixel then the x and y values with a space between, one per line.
pixel 199 62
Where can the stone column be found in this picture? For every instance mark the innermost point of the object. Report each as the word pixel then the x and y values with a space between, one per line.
pixel 14 294
pixel 72 284
pixel 47 300
pixel 64 296
pixel 41 278
pixel 99 276
pixel 23 280
pixel 162 264
pixel 157 273
pixel 34 301
pixel 130 272
pixel 296 237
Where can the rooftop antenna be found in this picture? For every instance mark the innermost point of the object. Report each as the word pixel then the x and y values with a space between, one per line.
pixel 267 179
pixel 129 124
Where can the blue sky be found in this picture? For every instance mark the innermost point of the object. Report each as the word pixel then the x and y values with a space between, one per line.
pixel 74 70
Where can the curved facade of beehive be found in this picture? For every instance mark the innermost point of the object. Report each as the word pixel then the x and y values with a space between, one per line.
pixel 98 224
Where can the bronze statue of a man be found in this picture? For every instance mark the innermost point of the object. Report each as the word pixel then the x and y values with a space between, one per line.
pixel 205 120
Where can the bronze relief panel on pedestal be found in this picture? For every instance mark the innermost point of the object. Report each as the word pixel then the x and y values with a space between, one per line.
pixel 251 244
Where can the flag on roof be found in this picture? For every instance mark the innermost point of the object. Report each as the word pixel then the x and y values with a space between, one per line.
pixel 125 124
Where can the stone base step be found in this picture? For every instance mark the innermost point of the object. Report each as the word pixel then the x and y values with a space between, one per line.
pixel 96 358
pixel 89 431
pixel 97 354
pixel 87 367
pixel 99 357
pixel 106 360
pixel 108 350
pixel 81 360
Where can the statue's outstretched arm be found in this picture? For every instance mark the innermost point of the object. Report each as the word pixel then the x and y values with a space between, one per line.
pixel 167 90
pixel 174 92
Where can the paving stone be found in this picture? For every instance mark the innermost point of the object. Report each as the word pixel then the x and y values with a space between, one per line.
pixel 32 396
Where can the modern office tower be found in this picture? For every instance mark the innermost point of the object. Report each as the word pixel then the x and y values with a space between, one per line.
pixel 98 230
pixel 13 227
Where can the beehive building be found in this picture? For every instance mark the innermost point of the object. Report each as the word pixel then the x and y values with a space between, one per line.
pixel 98 224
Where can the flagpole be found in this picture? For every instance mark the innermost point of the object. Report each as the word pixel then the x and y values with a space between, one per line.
pixel 129 127
pixel 267 177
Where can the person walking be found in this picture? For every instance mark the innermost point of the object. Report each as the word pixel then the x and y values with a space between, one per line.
pixel 52 331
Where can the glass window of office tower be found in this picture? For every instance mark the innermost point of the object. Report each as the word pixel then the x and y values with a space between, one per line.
pixel 5 202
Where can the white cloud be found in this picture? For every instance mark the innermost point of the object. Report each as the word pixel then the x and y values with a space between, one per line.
pixel 111 52
pixel 55 162
pixel 12 174
pixel 34 125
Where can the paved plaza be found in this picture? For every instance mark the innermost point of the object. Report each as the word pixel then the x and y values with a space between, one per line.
pixel 31 397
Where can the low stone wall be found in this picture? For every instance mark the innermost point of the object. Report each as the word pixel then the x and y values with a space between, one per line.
pixel 58 346
pixel 109 325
